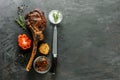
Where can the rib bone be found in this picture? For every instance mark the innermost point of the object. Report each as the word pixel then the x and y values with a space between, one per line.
pixel 36 22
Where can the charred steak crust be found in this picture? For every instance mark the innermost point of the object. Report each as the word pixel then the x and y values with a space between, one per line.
pixel 37 19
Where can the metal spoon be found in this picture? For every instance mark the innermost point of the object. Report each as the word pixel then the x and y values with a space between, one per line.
pixel 54 49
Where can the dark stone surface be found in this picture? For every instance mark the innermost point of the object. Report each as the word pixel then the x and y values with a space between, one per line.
pixel 88 40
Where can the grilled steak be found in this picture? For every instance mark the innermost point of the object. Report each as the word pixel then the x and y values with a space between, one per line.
pixel 36 22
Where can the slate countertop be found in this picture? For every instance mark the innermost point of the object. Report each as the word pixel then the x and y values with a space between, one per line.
pixel 88 40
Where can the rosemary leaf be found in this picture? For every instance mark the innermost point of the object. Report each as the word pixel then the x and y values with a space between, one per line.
pixel 21 19
pixel 21 24
pixel 56 16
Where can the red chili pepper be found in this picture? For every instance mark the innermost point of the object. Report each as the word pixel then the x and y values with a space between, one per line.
pixel 24 42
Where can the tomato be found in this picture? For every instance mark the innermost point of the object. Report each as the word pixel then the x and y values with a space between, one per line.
pixel 24 42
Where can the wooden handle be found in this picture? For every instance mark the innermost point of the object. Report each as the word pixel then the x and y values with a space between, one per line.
pixel 54 65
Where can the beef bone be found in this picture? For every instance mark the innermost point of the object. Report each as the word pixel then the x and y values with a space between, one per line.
pixel 36 22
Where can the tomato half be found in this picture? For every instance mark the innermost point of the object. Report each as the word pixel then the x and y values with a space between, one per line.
pixel 24 42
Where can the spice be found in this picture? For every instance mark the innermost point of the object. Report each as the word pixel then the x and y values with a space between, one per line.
pixel 44 48
pixel 41 64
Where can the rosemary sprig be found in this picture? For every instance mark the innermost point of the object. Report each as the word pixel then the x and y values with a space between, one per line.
pixel 20 21
pixel 56 16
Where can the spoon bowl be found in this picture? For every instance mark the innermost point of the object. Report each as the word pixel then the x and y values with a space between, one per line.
pixel 51 18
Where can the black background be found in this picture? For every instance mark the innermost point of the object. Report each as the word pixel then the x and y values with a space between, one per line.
pixel 88 40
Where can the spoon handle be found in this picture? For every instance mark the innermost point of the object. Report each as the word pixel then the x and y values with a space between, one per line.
pixel 54 65
pixel 55 42
pixel 54 51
